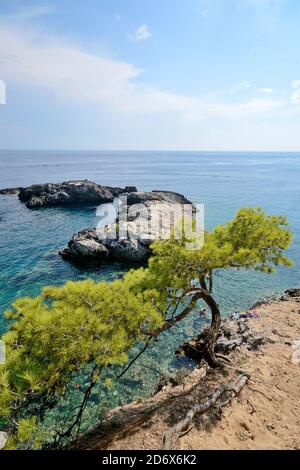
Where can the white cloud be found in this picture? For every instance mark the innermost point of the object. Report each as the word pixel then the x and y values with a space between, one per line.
pixel 296 97
pixel 2 92
pixel 296 93
pixel 265 90
pixel 296 84
pixel 76 76
pixel 142 33
pixel 67 70
pixel 242 86
pixel 257 105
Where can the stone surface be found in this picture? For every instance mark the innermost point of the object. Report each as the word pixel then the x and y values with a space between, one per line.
pixel 293 292
pixel 296 352
pixel 70 192
pixel 147 219
pixel 6 191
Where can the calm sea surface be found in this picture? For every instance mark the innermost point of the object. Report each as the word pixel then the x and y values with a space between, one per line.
pixel 223 182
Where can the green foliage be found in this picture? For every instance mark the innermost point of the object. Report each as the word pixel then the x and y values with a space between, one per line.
pixel 65 329
pixel 251 240
pixel 26 436
pixel 255 240
pixel 56 334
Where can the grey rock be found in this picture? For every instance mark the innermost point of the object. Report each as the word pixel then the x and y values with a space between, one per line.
pixel 9 191
pixel 129 240
pixel 160 196
pixel 91 248
pixel 86 246
pixel 70 192
pixel 237 333
pixel 293 292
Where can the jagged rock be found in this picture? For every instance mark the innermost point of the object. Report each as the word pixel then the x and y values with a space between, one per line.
pixel 161 196
pixel 86 246
pixel 293 292
pixel 70 192
pixel 128 239
pixel 233 334
pixel 6 191
pixel 91 248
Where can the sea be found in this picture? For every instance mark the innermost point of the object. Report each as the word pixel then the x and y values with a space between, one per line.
pixel 222 181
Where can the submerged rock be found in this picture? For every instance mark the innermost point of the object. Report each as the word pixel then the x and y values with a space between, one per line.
pixel 143 219
pixel 70 192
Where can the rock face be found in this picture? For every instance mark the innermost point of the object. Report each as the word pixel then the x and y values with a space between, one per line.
pixel 144 218
pixel 295 293
pixel 70 192
pixel 6 191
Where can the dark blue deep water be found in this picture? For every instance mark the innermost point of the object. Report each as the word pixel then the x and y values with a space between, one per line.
pixel 224 182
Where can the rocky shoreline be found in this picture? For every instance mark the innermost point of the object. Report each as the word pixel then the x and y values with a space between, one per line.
pixel 10 191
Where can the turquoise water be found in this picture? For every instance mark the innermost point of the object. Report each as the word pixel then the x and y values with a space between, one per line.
pixel 223 182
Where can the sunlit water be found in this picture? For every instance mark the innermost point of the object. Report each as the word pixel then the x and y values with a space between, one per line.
pixel 224 182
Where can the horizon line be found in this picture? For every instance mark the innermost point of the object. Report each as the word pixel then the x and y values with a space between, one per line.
pixel 140 150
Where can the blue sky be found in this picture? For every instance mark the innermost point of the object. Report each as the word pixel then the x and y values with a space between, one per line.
pixel 145 74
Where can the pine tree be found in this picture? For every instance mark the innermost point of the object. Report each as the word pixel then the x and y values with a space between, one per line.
pixel 92 326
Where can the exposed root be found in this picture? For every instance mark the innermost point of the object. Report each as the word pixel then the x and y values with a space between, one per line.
pixel 224 358
pixel 261 393
pixel 171 436
pixel 252 407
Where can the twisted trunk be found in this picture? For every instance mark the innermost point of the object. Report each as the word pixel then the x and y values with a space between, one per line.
pixel 203 346
pixel 210 335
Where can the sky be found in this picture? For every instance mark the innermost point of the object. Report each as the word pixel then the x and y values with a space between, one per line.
pixel 150 75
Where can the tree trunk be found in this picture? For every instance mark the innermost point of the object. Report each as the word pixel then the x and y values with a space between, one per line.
pixel 211 334
pixel 203 346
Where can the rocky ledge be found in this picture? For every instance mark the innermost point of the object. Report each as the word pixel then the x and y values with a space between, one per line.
pixel 144 218
pixel 237 332
pixel 9 191
pixel 69 192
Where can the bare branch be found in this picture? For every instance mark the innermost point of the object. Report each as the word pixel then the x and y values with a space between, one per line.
pixel 134 359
